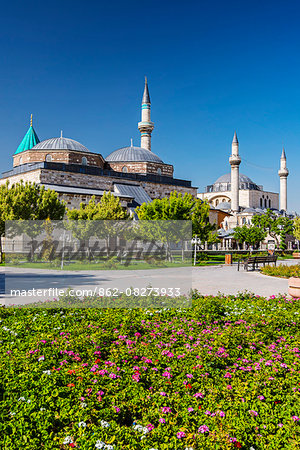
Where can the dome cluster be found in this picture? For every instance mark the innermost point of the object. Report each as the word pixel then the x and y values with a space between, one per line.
pixel 133 154
pixel 60 143
pixel 223 183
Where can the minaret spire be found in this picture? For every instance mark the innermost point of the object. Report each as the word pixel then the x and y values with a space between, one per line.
pixel 146 126
pixel 283 174
pixel 235 162
pixel 31 120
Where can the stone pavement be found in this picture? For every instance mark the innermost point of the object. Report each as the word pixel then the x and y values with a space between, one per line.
pixel 207 280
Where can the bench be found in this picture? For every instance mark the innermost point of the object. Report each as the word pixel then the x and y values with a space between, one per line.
pixel 254 261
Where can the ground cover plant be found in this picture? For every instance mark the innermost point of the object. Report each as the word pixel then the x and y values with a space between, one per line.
pixel 222 374
pixel 282 271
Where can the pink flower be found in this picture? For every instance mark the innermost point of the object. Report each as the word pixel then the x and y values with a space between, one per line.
pixel 190 409
pixel 253 413
pixel 150 426
pixel 199 395
pixel 229 386
pixel 203 429
pixel 117 409
pixel 166 409
pixel 295 418
pixel 180 434
pixel 261 397
pixel 162 393
pixel 162 420
pixel 227 375
pixel 189 375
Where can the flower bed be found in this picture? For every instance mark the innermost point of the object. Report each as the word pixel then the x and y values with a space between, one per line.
pixel 282 271
pixel 222 374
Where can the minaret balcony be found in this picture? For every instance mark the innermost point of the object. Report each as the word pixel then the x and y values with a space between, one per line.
pixel 235 160
pixel 283 172
pixel 146 126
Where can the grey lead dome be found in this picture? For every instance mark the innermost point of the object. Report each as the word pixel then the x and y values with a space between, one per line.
pixel 132 154
pixel 60 143
pixel 227 179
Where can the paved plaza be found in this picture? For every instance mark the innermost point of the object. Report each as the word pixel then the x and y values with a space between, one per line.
pixel 31 285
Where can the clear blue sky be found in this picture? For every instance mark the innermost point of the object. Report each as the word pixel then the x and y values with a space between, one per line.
pixel 213 67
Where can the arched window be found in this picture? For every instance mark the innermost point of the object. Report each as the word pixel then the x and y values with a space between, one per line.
pixel 124 169
pixel 261 202
pixel 84 161
pixel 269 203
pixel 159 171
pixel 265 203
pixel 224 200
pixel 217 202
pixel 20 160
pixel 48 158
pixel 244 221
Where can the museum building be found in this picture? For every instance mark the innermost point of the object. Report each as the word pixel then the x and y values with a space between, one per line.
pixel 134 174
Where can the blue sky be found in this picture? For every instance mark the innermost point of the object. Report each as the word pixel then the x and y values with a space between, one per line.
pixel 213 67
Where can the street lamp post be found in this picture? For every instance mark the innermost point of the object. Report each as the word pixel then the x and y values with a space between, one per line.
pixel 195 241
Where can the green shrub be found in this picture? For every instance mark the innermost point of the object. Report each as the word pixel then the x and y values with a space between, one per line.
pixel 224 374
pixel 282 271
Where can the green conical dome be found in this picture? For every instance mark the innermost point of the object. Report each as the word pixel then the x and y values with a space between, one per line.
pixel 29 140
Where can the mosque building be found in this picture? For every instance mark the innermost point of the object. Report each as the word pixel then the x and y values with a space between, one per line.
pixel 134 174
pixel 137 175
pixel 238 195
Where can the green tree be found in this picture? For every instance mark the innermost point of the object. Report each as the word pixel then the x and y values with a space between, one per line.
pixel 249 235
pixel 176 207
pixel 84 222
pixel 296 231
pixel 276 226
pixel 27 202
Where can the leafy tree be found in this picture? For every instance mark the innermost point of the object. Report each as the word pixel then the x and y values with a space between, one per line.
pixel 296 231
pixel 179 207
pixel 26 202
pixel 84 222
pixel 275 226
pixel 176 207
pixel 250 235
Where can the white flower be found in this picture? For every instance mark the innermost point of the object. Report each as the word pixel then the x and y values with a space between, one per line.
pixel 12 413
pixel 100 444
pixel 82 424
pixel 68 440
pixel 28 401
pixel 41 358
pixel 47 372
pixel 42 409
pixel 104 424
pixel 21 399
pixel 83 405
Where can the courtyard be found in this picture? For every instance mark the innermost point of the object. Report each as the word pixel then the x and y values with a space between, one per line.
pixel 207 280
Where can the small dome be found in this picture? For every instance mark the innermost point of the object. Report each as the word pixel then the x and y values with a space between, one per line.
pixel 132 154
pixel 60 143
pixel 224 205
pixel 249 211
pixel 227 179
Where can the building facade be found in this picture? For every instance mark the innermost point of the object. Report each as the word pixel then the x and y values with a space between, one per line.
pixel 134 174
pixel 240 196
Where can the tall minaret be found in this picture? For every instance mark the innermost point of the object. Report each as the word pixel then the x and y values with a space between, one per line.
pixel 283 174
pixel 235 161
pixel 146 126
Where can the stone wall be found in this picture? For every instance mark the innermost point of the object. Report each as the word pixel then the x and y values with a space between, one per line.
pixel 61 156
pixel 105 183
pixel 247 198
pixel 142 167
pixel 73 200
